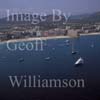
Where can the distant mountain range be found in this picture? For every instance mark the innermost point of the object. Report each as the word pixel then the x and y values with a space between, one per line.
pixel 84 18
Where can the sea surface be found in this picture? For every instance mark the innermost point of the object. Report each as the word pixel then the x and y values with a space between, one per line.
pixel 60 65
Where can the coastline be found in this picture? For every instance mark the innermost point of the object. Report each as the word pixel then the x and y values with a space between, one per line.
pixel 44 38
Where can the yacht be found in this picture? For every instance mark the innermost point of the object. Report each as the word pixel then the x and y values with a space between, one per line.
pixel 73 49
pixel 47 58
pixel 67 41
pixel 80 61
pixel 92 45
pixel 74 52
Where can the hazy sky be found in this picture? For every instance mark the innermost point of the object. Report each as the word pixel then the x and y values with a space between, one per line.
pixel 73 6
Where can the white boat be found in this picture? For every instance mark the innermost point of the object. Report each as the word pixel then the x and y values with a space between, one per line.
pixel 92 45
pixel 74 52
pixel 47 58
pixel 53 48
pixel 79 61
pixel 67 41
pixel 73 48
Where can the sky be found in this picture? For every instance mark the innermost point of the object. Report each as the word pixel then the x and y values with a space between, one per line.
pixel 72 6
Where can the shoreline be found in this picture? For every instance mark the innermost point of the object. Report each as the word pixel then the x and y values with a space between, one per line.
pixel 44 38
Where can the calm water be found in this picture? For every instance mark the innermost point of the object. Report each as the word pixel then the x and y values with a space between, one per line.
pixel 61 65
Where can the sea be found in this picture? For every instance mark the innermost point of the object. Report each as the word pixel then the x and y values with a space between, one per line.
pixel 59 64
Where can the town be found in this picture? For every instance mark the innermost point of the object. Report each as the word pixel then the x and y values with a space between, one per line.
pixel 72 26
pixel 22 32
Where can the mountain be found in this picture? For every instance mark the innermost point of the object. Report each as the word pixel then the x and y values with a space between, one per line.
pixel 84 18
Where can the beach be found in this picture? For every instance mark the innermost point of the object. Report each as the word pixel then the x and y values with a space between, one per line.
pixel 46 38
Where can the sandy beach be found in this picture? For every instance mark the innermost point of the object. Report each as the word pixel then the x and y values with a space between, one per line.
pixel 45 38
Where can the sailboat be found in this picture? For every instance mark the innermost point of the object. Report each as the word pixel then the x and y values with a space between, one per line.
pixel 47 58
pixel 67 42
pixel 92 45
pixel 80 61
pixel 73 50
